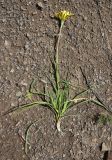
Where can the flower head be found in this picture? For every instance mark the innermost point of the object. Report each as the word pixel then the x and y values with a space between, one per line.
pixel 63 15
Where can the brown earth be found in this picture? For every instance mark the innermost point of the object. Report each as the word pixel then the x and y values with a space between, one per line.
pixel 27 36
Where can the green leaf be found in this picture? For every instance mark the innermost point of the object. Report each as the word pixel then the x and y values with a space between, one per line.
pixel 102 105
pixel 65 107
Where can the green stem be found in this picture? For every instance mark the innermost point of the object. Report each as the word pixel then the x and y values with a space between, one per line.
pixel 57 56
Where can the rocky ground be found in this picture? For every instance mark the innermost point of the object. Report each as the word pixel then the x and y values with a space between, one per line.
pixel 27 37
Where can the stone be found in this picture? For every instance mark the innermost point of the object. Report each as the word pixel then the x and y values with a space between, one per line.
pixel 40 6
pixel 18 94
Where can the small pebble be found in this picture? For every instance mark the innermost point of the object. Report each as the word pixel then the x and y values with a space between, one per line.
pixel 18 94
pixel 64 155
pixel 12 70
pixel 7 44
pixel 39 6
pixel 45 1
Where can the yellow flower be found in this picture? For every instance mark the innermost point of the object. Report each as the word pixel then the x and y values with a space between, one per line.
pixel 63 15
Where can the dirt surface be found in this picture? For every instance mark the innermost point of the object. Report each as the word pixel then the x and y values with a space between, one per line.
pixel 27 36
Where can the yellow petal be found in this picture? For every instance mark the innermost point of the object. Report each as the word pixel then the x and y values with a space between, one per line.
pixel 63 15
